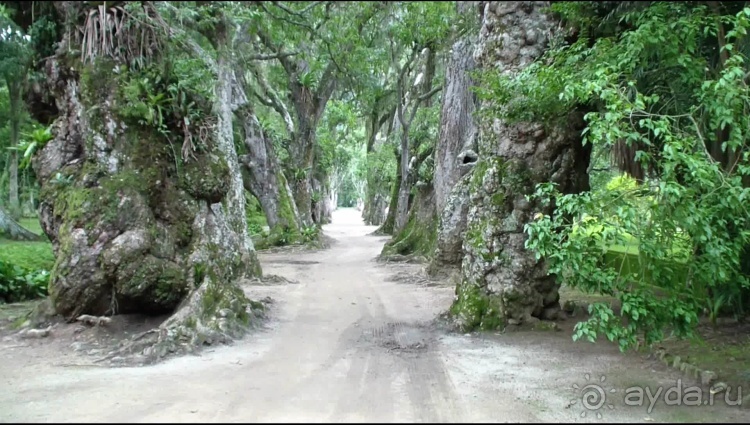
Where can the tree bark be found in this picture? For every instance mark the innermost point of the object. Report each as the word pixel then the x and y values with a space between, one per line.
pixel 456 139
pixel 455 150
pixel 132 232
pixel 407 177
pixel 15 95
pixel 263 175
pixel 376 192
pixel 402 204
pixel 265 179
pixel 502 282
pixel 389 224
pixel 301 160
pixel 234 203
pixel 376 200
pixel 326 207
pixel 11 229
pixel 417 237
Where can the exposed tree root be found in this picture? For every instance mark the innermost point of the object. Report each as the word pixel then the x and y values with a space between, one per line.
pixel 215 313
pixel 93 320
pixel 15 231
pixel 270 279
pixel 398 258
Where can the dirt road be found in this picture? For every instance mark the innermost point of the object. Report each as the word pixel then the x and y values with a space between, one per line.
pixel 347 343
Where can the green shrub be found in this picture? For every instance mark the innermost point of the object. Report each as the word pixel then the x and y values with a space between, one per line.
pixel 310 233
pixel 19 284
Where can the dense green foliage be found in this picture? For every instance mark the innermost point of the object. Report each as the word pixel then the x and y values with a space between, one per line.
pixel 342 156
pixel 18 284
pixel 664 88
pixel 25 266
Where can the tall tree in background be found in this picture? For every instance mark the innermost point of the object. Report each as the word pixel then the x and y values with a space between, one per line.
pixel 424 30
pixel 326 34
pixel 15 56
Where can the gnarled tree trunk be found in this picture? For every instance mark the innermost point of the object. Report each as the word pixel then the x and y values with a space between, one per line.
pixel 131 232
pixel 301 155
pixel 376 192
pixel 317 201
pixel 327 206
pixel 408 167
pixel 373 211
pixel 502 282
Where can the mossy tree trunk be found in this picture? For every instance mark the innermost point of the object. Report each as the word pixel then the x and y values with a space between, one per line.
pixel 317 200
pixel 389 224
pixel 323 203
pixel 265 179
pixel 452 224
pixel 377 187
pixel 309 106
pixel 404 186
pixel 420 231
pixel 405 119
pixel 301 161
pixel 375 202
pixel 455 150
pixel 418 234
pixel 373 211
pixel 132 232
pixel 502 282
pixel 376 195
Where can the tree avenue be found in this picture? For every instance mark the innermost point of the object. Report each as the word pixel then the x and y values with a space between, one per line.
pixel 525 146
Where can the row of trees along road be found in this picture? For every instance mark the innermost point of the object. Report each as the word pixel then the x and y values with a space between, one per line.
pixel 525 143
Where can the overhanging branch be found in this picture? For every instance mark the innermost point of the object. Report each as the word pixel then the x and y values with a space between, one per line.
pixel 299 13
pixel 429 94
pixel 284 60
pixel 270 57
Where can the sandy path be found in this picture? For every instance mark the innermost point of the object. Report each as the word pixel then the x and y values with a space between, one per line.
pixel 348 345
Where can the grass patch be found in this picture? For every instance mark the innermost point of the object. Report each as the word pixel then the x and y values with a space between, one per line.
pixel 576 295
pixel 27 255
pixel 31 224
pixel 36 255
